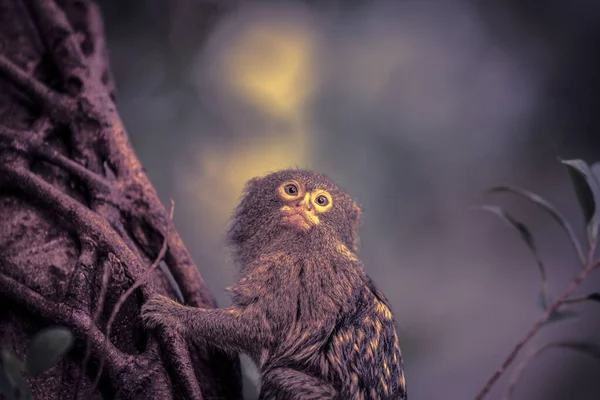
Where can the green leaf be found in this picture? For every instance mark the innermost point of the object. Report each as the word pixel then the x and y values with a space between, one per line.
pixel 561 315
pixel 47 348
pixel 13 384
pixel 519 226
pixel 549 208
pixel 527 237
pixel 594 296
pixel 587 189
pixel 590 349
pixel 581 174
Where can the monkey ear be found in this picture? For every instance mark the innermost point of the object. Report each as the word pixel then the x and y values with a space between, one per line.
pixel 251 184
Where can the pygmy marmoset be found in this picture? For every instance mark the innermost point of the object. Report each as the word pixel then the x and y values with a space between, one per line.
pixel 303 309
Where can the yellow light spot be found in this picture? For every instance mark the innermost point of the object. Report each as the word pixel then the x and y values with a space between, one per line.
pixel 386 369
pixel 271 64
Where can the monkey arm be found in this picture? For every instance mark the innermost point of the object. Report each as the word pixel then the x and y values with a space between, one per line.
pixel 229 329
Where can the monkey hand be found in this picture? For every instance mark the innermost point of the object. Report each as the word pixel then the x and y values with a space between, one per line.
pixel 161 311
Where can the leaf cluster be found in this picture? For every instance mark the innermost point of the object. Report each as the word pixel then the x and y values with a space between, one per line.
pixel 587 189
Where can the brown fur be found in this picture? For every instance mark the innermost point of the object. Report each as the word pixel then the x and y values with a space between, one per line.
pixel 303 309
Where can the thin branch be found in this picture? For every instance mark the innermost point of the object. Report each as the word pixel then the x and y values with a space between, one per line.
pixel 61 41
pixel 107 264
pixel 94 182
pixel 83 219
pixel 59 107
pixel 99 61
pixel 186 274
pixel 26 142
pixel 536 327
pixel 142 280
pixel 182 370
pixel 78 282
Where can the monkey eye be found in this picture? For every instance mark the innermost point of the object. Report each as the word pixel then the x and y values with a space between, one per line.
pixel 322 200
pixel 291 189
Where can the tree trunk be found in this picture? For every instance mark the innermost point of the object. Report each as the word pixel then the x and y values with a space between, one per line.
pixel 80 222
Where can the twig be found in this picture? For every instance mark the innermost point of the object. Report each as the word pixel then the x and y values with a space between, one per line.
pixel 536 327
pixel 133 287
pixel 101 297
pixel 59 107
pixel 61 41
pixel 83 219
pixel 93 181
pixel 99 60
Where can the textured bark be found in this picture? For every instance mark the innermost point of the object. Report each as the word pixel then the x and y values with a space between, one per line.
pixel 80 222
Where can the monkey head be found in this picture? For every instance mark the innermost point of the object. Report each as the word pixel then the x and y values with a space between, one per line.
pixel 293 206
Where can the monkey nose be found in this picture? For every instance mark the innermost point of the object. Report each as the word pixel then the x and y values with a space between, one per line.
pixel 305 202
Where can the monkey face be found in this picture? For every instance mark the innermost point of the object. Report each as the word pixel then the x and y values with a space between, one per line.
pixel 302 208
pixel 293 201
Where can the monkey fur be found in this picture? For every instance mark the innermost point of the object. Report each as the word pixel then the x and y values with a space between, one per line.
pixel 303 309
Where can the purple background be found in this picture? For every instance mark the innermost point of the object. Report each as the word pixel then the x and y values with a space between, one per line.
pixel 414 110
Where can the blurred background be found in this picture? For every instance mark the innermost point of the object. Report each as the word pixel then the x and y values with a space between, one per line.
pixel 414 108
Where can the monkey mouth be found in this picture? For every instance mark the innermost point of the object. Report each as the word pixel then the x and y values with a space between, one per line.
pixel 299 219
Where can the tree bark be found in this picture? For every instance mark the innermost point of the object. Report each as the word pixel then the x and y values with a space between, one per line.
pixel 80 222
